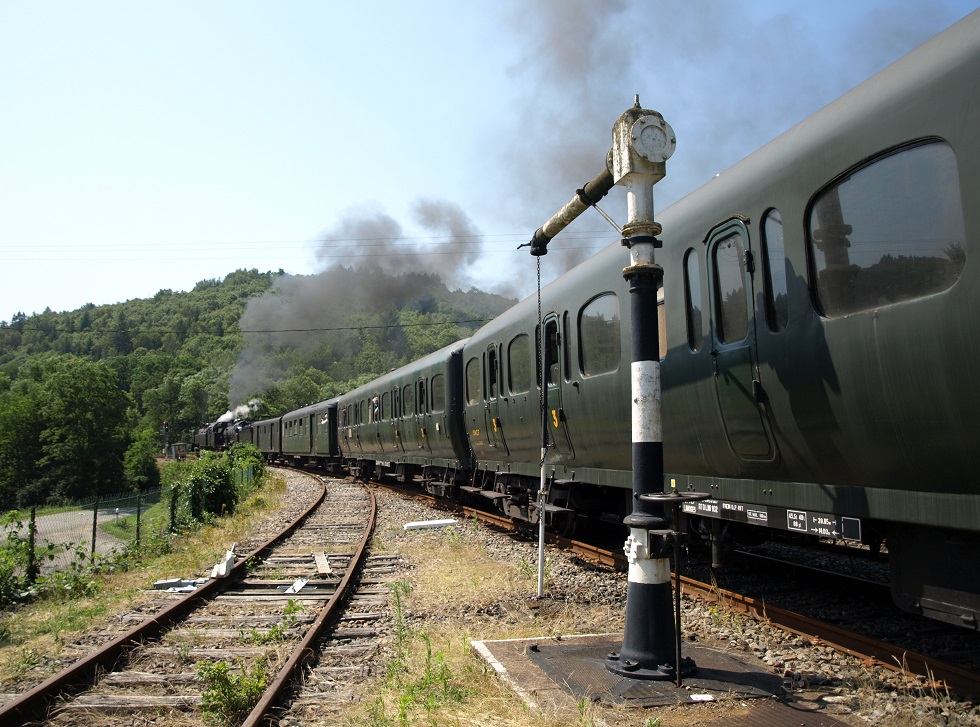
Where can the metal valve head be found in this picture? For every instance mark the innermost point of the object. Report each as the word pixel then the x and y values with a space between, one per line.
pixel 642 144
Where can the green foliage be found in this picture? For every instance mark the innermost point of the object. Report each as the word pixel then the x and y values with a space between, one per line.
pixel 79 578
pixel 204 492
pixel 21 425
pixel 173 352
pixel 202 489
pixel 62 431
pixel 74 384
pixel 244 455
pixel 140 467
pixel 228 697
pixel 84 438
pixel 14 560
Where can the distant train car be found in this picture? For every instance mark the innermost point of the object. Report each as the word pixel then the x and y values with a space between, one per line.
pixel 200 440
pixel 309 435
pixel 409 422
pixel 267 436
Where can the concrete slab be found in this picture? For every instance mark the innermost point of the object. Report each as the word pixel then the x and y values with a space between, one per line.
pixel 552 673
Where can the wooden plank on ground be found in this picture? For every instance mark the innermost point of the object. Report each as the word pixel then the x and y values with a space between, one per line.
pixel 322 563
pixel 130 702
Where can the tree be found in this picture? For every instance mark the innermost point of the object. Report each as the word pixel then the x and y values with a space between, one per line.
pixel 139 464
pixel 21 425
pixel 84 435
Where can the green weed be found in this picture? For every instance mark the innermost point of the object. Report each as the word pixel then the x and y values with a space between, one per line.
pixel 229 698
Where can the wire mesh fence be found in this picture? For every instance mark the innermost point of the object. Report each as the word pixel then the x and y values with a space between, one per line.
pixel 85 529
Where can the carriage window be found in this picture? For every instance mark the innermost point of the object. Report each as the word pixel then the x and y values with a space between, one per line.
pixel 692 299
pixel 777 274
pixel 492 373
pixel 890 231
pixel 566 363
pixel 408 404
pixel 598 335
pixel 729 256
pixel 519 364
pixel 474 381
pixel 385 405
pixel 423 402
pixel 438 390
pixel 551 352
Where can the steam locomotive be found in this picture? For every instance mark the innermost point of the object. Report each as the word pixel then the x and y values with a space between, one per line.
pixel 820 321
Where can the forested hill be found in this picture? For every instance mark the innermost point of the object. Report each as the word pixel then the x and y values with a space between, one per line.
pixel 177 355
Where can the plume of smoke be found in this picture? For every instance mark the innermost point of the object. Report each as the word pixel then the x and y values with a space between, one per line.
pixel 367 238
pixel 370 266
pixel 239 412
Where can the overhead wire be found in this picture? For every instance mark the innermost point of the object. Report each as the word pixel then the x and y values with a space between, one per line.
pixel 138 329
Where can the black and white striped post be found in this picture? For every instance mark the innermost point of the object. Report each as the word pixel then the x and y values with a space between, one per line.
pixel 642 143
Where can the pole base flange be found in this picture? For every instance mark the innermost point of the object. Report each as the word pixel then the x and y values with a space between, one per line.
pixel 660 672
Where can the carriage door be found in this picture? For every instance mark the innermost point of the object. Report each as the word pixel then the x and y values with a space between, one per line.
pixel 491 391
pixel 396 419
pixel 554 363
pixel 733 345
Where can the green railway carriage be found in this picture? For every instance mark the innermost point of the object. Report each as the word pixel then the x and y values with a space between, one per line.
pixel 309 435
pixel 267 436
pixel 409 422
pixel 588 396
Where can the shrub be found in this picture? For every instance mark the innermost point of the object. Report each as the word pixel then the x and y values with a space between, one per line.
pixel 204 491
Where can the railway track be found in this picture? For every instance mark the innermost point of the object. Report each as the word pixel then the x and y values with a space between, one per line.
pixel 254 629
pixel 162 678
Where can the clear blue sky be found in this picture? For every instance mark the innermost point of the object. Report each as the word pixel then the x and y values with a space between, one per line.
pixel 152 145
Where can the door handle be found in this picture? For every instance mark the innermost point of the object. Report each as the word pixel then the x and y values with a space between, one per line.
pixel 714 361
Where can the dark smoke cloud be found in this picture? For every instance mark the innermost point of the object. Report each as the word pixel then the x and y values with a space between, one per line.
pixel 371 266
pixel 299 308
pixel 367 237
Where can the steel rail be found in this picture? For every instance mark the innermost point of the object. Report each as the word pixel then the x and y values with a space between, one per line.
pixel 262 712
pixel 884 654
pixel 33 704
